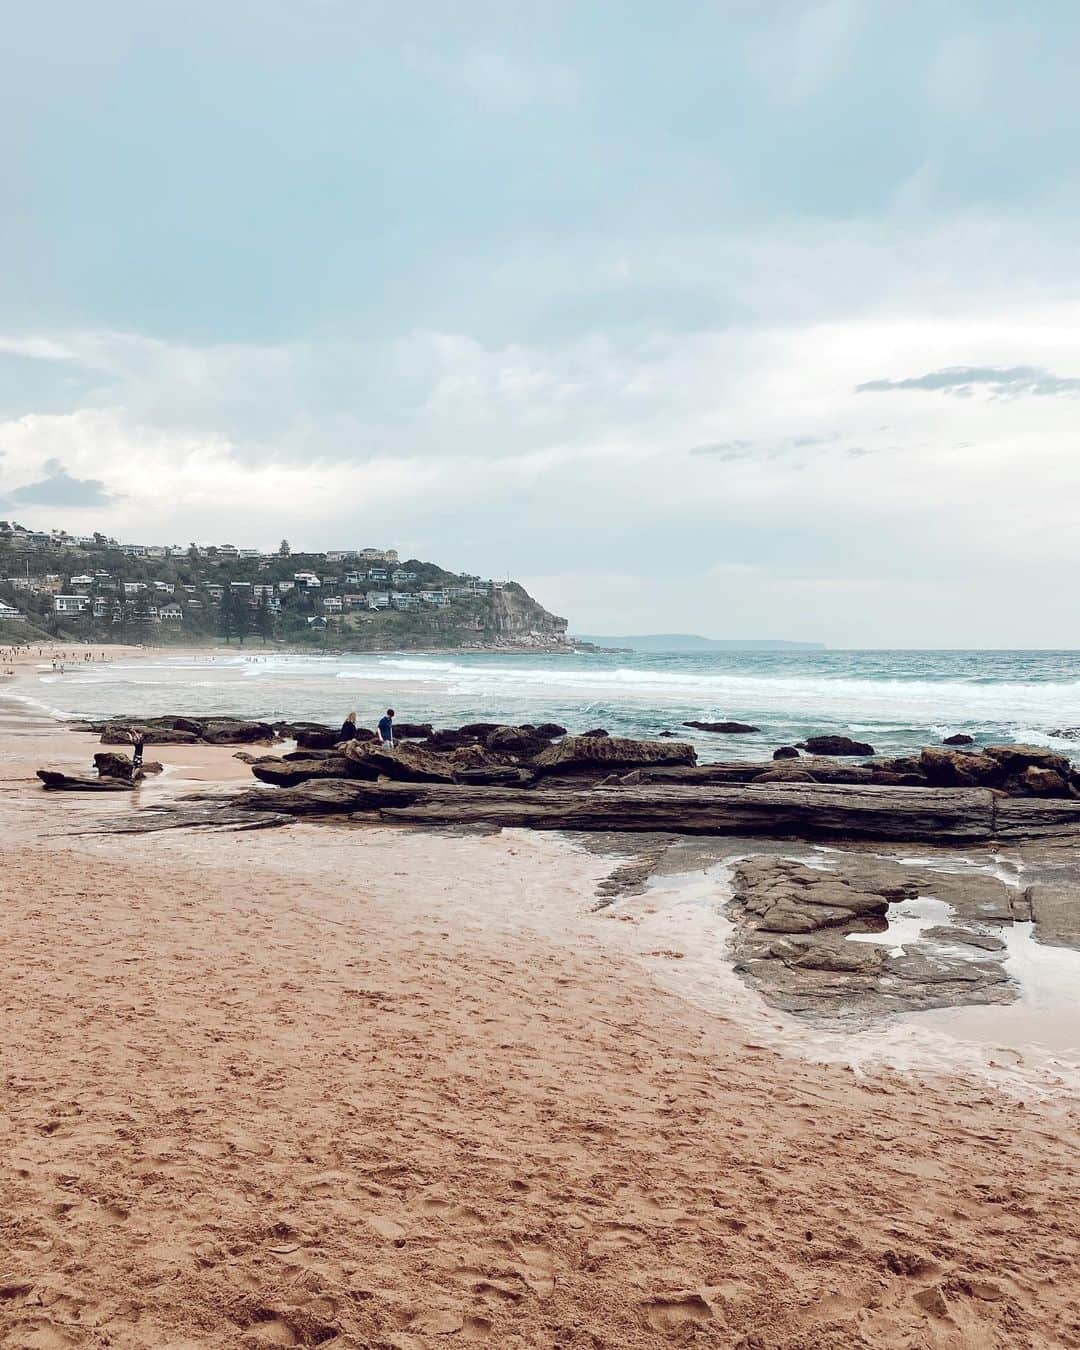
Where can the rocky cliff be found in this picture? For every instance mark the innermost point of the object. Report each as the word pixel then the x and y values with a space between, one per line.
pixel 517 617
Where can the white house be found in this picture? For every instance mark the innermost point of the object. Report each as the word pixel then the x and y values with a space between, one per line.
pixel 378 600
pixel 8 611
pixel 171 613
pixel 70 604
pixel 332 604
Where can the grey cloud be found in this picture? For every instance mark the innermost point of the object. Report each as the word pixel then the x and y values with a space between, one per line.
pixel 58 488
pixel 962 382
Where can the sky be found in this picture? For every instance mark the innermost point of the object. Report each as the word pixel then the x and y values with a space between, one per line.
pixel 755 320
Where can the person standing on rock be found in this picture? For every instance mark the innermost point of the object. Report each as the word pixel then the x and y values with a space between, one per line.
pixel 348 728
pixel 138 740
pixel 386 729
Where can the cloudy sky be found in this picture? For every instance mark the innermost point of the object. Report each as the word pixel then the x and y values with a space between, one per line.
pixel 747 319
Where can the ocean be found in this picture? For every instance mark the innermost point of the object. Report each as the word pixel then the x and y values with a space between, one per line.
pixel 895 700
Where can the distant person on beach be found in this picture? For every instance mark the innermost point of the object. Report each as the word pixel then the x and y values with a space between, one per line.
pixel 138 740
pixel 348 728
pixel 386 729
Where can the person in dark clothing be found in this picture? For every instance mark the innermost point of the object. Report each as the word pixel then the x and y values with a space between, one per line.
pixel 386 729
pixel 348 728
pixel 138 740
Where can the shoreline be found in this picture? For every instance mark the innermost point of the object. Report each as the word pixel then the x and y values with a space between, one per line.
pixel 374 1086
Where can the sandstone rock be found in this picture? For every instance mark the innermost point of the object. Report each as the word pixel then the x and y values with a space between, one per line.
pixel 72 782
pixel 290 771
pixel 725 728
pixel 596 731
pixel 116 733
pixel 960 768
pixel 1017 758
pixel 227 731
pixel 495 776
pixel 412 731
pixel 959 738
pixel 1036 782
pixel 813 967
pixel 786 752
pixel 836 745
pixel 515 741
pixel 112 765
pixel 477 731
pixel 474 756
pixel 901 764
pixel 784 776
pixel 966 936
pixel 317 738
pixel 598 754
pixel 1055 912
pixel 405 763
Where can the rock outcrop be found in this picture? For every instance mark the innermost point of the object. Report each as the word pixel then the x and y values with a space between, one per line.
pixel 835 745
pixel 55 781
pixel 793 926
pixel 593 754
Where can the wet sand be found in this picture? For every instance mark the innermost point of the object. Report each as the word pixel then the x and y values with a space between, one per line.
pixel 381 1088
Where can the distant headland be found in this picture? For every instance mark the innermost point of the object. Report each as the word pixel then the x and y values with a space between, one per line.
pixel 692 642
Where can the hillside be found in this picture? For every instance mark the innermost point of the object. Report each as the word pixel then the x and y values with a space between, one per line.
pixel 360 600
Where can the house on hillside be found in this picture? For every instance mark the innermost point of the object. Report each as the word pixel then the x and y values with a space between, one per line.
pixel 8 611
pixel 171 613
pixel 70 604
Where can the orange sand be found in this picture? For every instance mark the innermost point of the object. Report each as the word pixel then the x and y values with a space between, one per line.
pixel 373 1088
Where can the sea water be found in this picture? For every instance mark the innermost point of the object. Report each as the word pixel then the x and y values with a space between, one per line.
pixel 897 701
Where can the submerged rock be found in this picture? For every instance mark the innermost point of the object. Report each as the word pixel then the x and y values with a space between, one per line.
pixel 785 752
pixel 959 738
pixel 725 728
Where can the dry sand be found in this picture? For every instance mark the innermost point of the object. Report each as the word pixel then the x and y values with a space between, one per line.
pixel 378 1088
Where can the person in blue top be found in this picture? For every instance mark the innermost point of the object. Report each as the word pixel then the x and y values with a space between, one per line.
pixel 386 729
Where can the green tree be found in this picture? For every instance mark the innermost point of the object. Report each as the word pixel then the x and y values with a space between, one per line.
pixel 283 549
pixel 264 620
pixel 226 615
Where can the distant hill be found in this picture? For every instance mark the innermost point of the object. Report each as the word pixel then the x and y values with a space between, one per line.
pixel 691 642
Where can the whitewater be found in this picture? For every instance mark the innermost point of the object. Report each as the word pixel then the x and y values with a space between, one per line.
pixel 896 700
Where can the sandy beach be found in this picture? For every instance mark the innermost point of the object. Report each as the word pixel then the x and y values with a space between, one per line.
pixel 383 1088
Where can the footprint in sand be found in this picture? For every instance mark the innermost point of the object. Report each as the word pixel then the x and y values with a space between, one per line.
pixel 673 1312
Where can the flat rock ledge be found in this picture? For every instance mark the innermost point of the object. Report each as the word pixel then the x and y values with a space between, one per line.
pixel 793 929
pixel 771 810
